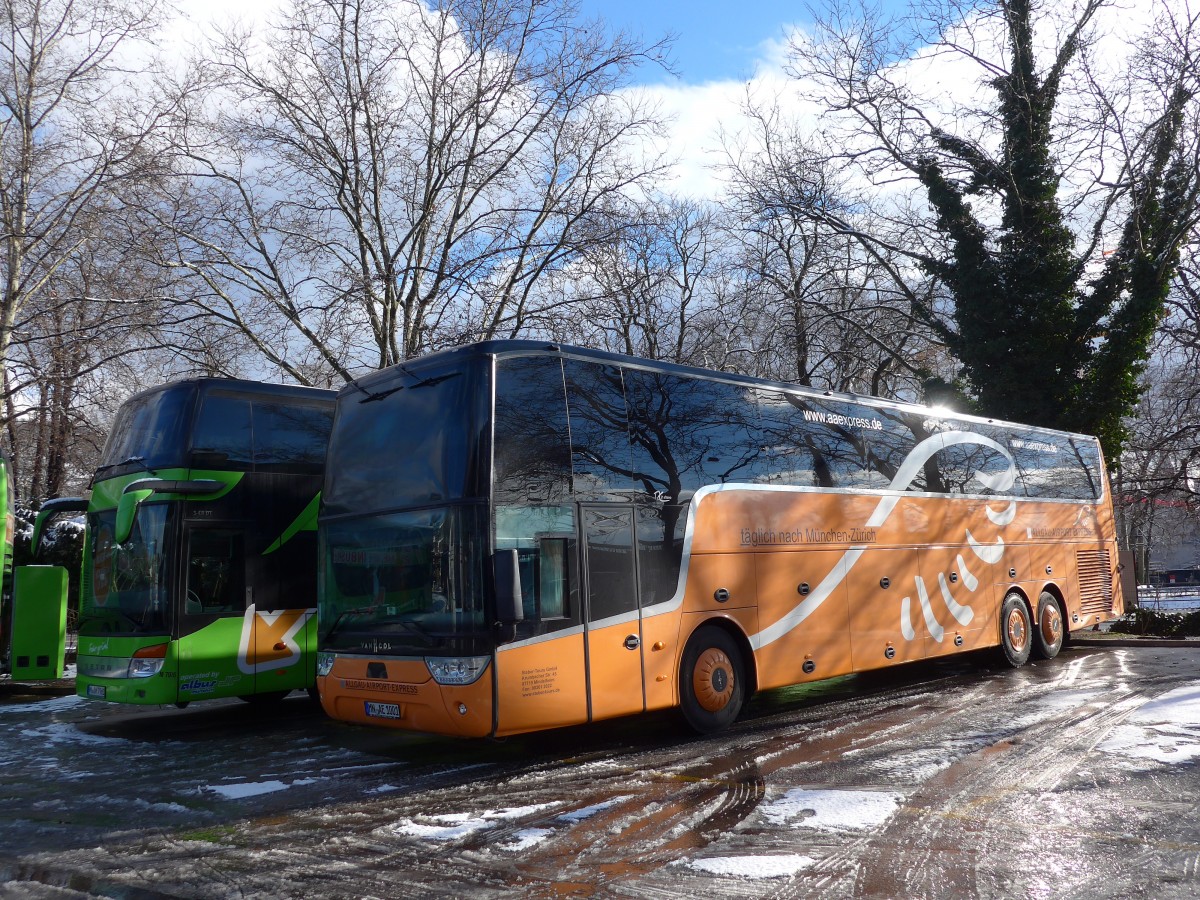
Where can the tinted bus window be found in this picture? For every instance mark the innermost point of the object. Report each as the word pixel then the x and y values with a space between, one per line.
pixel 1050 467
pixel 152 428
pixel 975 467
pixel 1088 452
pixel 532 450
pixel 660 533
pixel 785 439
pixel 816 443
pixel 600 457
pixel 407 442
pixel 689 432
pixel 223 432
pixel 288 434
pixel 893 444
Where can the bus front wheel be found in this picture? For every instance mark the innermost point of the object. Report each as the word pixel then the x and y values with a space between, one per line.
pixel 1016 637
pixel 712 683
pixel 1048 630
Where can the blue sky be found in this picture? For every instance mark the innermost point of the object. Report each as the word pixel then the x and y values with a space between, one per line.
pixel 715 39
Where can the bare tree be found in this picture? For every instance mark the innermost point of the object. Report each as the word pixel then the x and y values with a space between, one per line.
pixel 370 179
pixel 70 133
pixel 662 289
pixel 826 310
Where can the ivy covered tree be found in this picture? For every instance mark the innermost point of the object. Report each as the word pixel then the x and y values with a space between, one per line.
pixel 1058 198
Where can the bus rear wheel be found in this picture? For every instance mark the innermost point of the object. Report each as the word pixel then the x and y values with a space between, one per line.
pixel 712 682
pixel 1048 631
pixel 1015 632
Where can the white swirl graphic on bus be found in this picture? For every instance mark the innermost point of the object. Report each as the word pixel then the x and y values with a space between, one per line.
pixel 987 553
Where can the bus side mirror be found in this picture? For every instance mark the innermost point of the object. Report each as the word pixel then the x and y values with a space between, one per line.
pixel 510 608
pixel 127 511
pixel 50 509
pixel 136 492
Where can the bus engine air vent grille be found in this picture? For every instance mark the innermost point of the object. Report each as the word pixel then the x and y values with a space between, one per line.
pixel 1095 581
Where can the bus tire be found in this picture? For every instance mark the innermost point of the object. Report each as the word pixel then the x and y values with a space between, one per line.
pixel 1015 632
pixel 712 681
pixel 1048 629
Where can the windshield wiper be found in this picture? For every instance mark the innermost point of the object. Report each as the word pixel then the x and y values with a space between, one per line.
pixel 419 383
pixel 356 611
pixel 140 460
pixel 137 626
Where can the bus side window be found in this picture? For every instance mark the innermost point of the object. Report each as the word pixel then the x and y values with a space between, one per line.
pixel 222 432
pixel 554 581
pixel 290 435
pixel 215 579
pixel 1052 466
pixel 966 468
pixel 690 432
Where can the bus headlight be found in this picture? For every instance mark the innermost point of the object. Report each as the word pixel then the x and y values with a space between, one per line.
pixel 148 661
pixel 456 669
pixel 324 664
pixel 144 668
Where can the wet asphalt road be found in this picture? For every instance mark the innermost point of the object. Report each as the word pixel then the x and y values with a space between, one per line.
pixel 1072 778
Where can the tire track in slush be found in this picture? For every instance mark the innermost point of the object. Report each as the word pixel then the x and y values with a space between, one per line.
pixel 932 845
pixel 606 849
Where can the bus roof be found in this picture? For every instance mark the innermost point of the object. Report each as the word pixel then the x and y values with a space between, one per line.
pixel 500 348
pixel 259 388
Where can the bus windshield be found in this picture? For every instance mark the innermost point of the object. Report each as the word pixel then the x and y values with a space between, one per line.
pixel 128 581
pixel 405 441
pixel 149 430
pixel 404 583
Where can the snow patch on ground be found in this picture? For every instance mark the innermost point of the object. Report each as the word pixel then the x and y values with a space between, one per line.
pixel 382 789
pixel 750 866
pixel 67 733
pixel 137 803
pixel 915 767
pixel 833 810
pixel 452 826
pixel 578 815
pixel 41 706
pixel 245 789
pixel 526 838
pixel 1165 729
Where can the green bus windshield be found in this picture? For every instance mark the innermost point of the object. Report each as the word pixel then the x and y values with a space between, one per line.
pixel 149 430
pixel 129 583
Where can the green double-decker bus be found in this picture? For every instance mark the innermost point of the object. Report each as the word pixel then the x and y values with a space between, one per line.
pixel 199 566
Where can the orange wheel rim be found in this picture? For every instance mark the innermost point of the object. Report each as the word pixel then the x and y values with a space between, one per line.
pixel 1017 633
pixel 1051 625
pixel 713 679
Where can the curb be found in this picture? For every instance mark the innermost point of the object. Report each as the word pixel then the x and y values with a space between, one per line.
pixel 57 688
pixel 1134 642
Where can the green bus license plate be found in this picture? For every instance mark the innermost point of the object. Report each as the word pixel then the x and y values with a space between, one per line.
pixel 96 690
pixel 383 710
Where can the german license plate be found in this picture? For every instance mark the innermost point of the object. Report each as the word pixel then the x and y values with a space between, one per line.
pixel 383 710
pixel 97 690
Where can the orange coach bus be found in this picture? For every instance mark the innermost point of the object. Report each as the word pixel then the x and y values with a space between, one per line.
pixel 518 535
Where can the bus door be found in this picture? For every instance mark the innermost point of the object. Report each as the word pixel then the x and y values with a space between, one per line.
pixel 613 629
pixel 212 611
